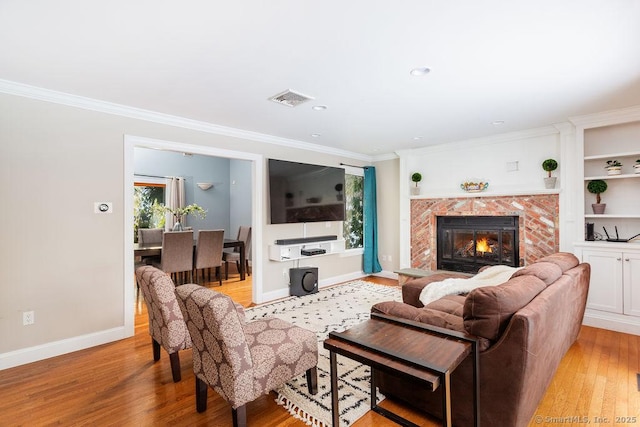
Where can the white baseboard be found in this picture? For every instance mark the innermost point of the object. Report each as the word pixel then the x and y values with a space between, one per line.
pixel 44 351
pixel 612 321
pixel 284 293
pixel 57 348
pixel 387 274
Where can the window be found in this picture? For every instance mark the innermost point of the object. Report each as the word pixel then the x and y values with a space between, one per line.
pixel 354 194
pixel 147 198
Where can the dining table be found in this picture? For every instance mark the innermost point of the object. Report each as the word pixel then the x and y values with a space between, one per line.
pixel 155 249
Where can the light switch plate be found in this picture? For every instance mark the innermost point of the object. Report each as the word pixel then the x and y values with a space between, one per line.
pixel 103 207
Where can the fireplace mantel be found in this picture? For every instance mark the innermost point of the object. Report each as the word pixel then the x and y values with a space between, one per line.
pixel 538 225
pixel 461 194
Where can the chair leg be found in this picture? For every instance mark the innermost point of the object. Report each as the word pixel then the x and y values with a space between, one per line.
pixel 201 395
pixel 239 416
pixel 219 275
pixel 156 349
pixel 312 380
pixel 175 367
pixel 226 271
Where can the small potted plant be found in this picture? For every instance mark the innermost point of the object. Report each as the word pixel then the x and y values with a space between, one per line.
pixel 636 166
pixel 597 187
pixel 416 177
pixel 613 167
pixel 550 165
pixel 180 213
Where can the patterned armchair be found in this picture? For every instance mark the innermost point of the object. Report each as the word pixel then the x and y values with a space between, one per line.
pixel 240 360
pixel 166 324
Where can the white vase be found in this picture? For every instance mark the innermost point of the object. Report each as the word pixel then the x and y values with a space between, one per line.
pixel 415 191
pixel 550 182
pixel 636 168
pixel 614 170
pixel 177 226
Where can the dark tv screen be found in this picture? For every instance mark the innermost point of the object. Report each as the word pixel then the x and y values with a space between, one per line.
pixel 300 192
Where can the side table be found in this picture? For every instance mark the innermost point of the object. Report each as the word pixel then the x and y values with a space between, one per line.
pixel 405 348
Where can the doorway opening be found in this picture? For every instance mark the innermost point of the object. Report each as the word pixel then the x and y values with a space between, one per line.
pixel 257 178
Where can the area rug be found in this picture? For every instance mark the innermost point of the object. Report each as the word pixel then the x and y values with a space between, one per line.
pixel 332 309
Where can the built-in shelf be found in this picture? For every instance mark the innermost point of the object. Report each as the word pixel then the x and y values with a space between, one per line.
pixel 612 155
pixel 292 252
pixel 621 176
pixel 604 216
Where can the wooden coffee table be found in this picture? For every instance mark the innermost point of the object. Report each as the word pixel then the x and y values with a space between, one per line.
pixel 406 349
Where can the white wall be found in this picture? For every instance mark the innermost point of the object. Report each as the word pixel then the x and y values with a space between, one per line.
pixel 445 167
pixel 66 263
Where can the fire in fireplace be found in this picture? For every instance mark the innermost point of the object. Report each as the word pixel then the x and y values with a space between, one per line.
pixel 467 243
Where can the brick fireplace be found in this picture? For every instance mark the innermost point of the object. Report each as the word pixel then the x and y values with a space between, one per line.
pixel 537 226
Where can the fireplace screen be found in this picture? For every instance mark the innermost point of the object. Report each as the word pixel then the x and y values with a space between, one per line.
pixel 467 243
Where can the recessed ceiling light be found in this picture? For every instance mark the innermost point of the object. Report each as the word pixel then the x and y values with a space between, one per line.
pixel 315 135
pixel 420 71
pixel 417 138
pixel 319 107
pixel 497 122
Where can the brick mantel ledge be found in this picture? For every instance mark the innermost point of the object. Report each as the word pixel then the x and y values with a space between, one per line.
pixel 461 194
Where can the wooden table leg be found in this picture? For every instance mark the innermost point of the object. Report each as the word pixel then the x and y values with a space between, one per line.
pixel 446 399
pixel 335 411
pixel 374 397
pixel 243 261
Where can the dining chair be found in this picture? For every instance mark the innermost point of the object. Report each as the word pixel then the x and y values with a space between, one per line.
pixel 244 234
pixel 209 253
pixel 242 360
pixel 148 236
pixel 177 255
pixel 166 323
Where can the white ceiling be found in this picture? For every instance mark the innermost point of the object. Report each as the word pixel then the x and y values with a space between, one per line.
pixel 528 63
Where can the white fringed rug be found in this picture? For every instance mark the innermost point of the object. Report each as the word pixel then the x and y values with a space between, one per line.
pixel 332 309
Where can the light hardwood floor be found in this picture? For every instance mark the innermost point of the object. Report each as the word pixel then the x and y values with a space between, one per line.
pixel 118 384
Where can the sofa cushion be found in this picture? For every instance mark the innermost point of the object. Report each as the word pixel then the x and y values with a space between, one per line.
pixel 548 272
pixel 487 310
pixel 564 260
pixel 450 304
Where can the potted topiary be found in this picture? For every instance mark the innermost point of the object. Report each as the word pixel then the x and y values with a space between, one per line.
pixel 613 167
pixel 636 166
pixel 597 186
pixel 416 177
pixel 550 165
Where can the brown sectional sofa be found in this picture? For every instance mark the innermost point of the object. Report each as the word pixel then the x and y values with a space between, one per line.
pixel 525 326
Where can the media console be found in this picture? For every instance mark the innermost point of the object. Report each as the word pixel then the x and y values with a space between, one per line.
pixel 305 248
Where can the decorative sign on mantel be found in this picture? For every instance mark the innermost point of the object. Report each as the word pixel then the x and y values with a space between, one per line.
pixel 474 187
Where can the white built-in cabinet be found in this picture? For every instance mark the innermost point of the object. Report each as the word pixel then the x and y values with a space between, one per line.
pixel 615 279
pixel 614 291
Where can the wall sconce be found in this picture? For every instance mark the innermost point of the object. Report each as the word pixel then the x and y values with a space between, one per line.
pixel 204 185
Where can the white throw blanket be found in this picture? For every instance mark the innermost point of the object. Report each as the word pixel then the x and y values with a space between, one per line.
pixel 491 276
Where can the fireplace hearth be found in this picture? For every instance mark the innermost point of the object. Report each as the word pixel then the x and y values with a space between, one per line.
pixel 468 243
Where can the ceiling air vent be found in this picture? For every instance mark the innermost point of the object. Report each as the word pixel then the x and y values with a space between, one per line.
pixel 290 98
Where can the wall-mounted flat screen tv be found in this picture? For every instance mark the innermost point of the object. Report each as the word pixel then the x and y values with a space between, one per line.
pixel 300 192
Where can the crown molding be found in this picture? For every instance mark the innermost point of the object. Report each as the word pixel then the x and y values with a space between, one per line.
pixel 384 157
pixel 48 95
pixel 606 118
